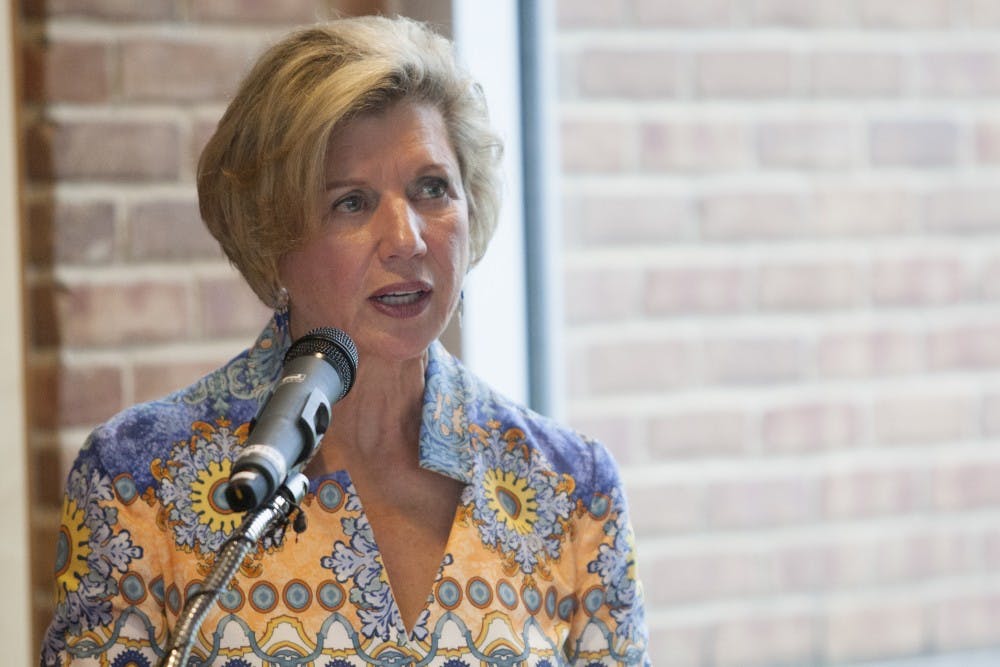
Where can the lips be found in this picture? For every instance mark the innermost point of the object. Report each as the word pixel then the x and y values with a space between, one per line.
pixel 402 299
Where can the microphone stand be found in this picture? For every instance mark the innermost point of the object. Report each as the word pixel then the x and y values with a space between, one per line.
pixel 256 524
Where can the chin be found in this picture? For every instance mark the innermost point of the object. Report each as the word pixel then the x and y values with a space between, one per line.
pixel 395 349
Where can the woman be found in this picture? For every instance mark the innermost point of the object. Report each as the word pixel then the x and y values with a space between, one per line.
pixel 353 183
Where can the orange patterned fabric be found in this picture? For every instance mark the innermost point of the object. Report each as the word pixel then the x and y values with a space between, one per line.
pixel 539 568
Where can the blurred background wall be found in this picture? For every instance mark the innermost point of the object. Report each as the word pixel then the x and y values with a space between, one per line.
pixel 781 229
pixel 782 224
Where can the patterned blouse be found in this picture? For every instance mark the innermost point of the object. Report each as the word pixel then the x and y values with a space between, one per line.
pixel 539 568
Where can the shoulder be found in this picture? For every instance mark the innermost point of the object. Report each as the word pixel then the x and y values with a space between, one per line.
pixel 493 421
pixel 212 409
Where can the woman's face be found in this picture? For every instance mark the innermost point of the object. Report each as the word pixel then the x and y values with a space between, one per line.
pixel 393 248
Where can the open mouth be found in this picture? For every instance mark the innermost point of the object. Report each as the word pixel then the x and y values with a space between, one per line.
pixel 401 298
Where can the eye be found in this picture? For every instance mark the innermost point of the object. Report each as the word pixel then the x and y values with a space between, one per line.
pixel 350 203
pixel 432 188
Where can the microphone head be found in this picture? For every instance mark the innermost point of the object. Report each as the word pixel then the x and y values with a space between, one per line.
pixel 335 347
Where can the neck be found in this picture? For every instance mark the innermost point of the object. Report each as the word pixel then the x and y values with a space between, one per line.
pixel 379 419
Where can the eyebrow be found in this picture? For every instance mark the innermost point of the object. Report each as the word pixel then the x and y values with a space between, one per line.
pixel 422 171
pixel 334 185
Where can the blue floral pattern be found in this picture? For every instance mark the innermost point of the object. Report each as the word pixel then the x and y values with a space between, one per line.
pixel 93 547
pixel 144 515
pixel 615 565
pixel 519 505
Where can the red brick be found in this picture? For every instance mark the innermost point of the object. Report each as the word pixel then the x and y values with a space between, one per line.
pixel 679 644
pixel 169 230
pixel 991 414
pixel 806 286
pixel 794 13
pixel 701 434
pixel 914 143
pixel 850 211
pixel 621 219
pixel 915 14
pixel 871 353
pixel 634 75
pixel 806 427
pixel 46 475
pixel 591 13
pixel 682 145
pixel 773 639
pixel 228 307
pixel 201 131
pixel 71 232
pixel 744 74
pixel 155 380
pixel 80 396
pixel 873 492
pixel 101 9
pixel 607 295
pixel 598 146
pixel 805 566
pixel 258 11
pixel 639 366
pixel 879 561
pixel 919 419
pixel 965 485
pixel 67 71
pixel 183 71
pixel 988 280
pixel 93 314
pixel 911 281
pixel 43 322
pixel 43 555
pixel 974 346
pixel 104 150
pixel 619 433
pixel 987 142
pixel 901 630
pixel 965 620
pixel 856 74
pixel 746 215
pixel 964 210
pixel 806 145
pixel 703 575
pixel 753 503
pixel 754 360
pixel 984 13
pixel 703 14
pixel 698 289
pixel 672 507
pixel 963 74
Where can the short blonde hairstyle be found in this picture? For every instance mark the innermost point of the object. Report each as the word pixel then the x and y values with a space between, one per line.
pixel 261 174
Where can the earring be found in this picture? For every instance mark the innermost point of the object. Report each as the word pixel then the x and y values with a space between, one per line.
pixel 461 306
pixel 281 306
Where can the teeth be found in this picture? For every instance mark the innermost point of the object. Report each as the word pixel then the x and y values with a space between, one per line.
pixel 400 299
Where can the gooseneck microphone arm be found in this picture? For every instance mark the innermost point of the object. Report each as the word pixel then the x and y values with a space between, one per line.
pixel 256 524
pixel 266 480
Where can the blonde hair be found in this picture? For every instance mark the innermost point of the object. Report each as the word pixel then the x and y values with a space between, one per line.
pixel 261 173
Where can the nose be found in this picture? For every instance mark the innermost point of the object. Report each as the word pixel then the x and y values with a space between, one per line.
pixel 401 230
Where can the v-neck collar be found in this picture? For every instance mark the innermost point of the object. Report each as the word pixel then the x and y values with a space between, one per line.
pixel 449 398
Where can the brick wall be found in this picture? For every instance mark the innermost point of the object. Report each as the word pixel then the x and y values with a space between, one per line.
pixel 128 295
pixel 782 234
pixel 782 225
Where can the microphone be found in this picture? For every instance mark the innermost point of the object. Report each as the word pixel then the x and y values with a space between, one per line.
pixel 318 371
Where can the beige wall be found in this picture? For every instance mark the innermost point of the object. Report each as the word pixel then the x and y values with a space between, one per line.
pixel 15 615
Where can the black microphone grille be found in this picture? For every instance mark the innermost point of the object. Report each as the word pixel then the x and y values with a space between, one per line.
pixel 335 346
